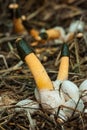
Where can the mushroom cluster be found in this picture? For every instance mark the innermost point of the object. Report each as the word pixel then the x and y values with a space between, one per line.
pixel 21 26
pixel 61 95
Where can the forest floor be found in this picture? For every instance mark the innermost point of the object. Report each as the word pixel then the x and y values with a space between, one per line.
pixel 16 80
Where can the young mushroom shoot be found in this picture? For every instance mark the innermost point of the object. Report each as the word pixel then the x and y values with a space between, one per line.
pixel 53 33
pixel 17 21
pixel 42 36
pixel 75 30
pixel 33 32
pixel 69 89
pixel 60 94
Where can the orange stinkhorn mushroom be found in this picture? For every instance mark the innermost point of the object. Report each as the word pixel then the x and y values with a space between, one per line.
pixel 49 98
pixel 33 32
pixel 64 63
pixel 17 21
pixel 54 33
pixel 42 79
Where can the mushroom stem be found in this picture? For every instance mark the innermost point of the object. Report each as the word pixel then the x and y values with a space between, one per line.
pixel 50 34
pixel 64 63
pixel 18 27
pixel 33 32
pixel 40 75
pixel 17 21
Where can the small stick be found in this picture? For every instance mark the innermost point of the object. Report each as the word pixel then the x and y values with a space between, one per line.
pixel 5 62
pixel 77 55
pixel 32 124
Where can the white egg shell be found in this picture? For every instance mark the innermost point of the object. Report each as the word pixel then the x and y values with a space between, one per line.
pixel 85 111
pixel 70 90
pixel 51 100
pixel 83 90
pixel 27 104
pixel 77 26
pixel 71 103
pixel 62 115
pixel 83 85
pixel 56 84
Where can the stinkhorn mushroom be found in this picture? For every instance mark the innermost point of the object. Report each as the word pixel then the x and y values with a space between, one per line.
pixel 46 94
pixel 64 63
pixel 26 53
pixel 33 32
pixel 70 90
pixel 63 67
pixel 17 21
pixel 53 33
pixel 49 98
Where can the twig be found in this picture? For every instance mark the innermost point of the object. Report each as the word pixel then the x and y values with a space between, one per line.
pixel 21 127
pixel 1 128
pixel 36 12
pixel 10 38
pixel 16 67
pixel 77 55
pixel 32 125
pixel 5 62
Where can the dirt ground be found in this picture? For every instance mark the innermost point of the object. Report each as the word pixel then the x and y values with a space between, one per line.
pixel 16 80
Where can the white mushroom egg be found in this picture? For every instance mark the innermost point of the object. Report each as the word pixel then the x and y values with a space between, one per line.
pixel 83 90
pixel 85 111
pixel 73 106
pixel 56 84
pixel 70 90
pixel 62 115
pixel 51 100
pixel 27 104
pixel 77 26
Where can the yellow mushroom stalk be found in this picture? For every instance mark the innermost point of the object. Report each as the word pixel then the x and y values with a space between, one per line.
pixel 34 33
pixel 64 63
pixel 40 75
pixel 53 33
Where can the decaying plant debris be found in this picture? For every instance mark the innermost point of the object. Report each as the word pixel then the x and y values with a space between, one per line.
pixel 16 81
